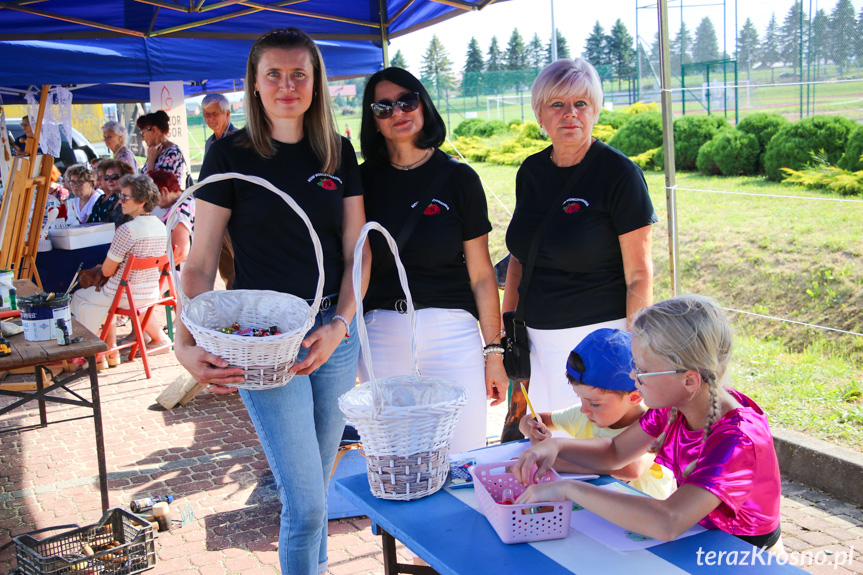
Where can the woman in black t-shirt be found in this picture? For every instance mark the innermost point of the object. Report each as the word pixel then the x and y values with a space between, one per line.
pixel 593 266
pixel 446 256
pixel 289 140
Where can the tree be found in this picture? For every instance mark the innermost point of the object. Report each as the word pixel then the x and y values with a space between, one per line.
pixel 842 31
pixel 680 48
pixel 516 56
pixel 437 67
pixel 859 51
pixel 473 66
pixel 747 46
pixel 562 47
pixel 790 36
pixel 535 53
pixel 705 48
pixel 771 46
pixel 399 60
pixel 821 39
pixel 621 52
pixel 494 64
pixel 595 46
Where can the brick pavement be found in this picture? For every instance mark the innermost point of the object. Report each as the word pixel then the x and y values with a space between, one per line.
pixel 208 456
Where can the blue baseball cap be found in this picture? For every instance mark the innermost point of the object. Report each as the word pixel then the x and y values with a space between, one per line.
pixel 607 357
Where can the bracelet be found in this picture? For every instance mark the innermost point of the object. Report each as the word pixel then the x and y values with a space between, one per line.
pixel 342 319
pixel 492 349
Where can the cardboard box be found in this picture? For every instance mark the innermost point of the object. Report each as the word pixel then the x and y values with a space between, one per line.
pixel 82 236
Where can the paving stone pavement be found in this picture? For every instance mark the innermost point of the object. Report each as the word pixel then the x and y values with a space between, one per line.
pixel 207 455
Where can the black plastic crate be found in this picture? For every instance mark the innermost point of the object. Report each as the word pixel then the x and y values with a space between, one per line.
pixel 121 544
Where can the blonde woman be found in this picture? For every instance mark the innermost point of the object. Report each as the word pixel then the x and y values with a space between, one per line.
pixel 290 140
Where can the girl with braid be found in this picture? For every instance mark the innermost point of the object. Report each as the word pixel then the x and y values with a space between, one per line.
pixel 715 440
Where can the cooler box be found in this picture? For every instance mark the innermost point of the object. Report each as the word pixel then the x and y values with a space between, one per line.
pixel 82 236
pixel 349 461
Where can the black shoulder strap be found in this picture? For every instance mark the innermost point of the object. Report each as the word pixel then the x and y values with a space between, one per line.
pixel 414 217
pixel 567 189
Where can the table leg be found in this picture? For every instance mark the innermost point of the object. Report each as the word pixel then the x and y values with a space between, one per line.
pixel 100 437
pixel 40 387
pixel 391 564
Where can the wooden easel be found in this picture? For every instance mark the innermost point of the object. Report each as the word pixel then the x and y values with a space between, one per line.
pixel 19 247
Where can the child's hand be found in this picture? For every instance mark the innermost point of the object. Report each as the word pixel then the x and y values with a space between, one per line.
pixel 534 430
pixel 552 491
pixel 542 455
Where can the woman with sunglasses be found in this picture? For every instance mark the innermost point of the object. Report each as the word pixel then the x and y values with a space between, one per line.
pixel 144 236
pixel 162 153
pixel 290 140
pixel 81 182
pixel 109 208
pixel 449 270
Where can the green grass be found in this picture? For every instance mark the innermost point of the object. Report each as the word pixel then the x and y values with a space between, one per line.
pixel 789 258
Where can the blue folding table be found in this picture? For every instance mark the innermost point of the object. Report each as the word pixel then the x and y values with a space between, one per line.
pixel 454 538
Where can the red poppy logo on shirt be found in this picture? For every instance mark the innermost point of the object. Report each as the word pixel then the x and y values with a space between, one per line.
pixel 431 210
pixel 325 181
pixel 327 184
pixel 574 205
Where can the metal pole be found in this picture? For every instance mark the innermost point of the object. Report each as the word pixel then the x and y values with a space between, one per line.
pixel 553 35
pixel 637 57
pixel 385 32
pixel 668 143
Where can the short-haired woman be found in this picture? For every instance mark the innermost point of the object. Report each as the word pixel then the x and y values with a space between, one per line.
pixel 144 236
pixel 162 153
pixel 593 268
pixel 169 193
pixel 289 140
pixel 82 184
pixel 446 257
pixel 115 136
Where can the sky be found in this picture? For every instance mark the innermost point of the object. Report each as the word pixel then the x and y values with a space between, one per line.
pixel 576 18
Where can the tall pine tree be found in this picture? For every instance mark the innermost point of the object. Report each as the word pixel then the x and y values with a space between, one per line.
pixel 562 47
pixel 771 46
pixel 595 46
pixel 621 52
pixel 681 48
pixel 494 66
pixel 705 48
pixel 820 39
pixel 399 60
pixel 516 56
pixel 747 46
pixel 535 53
pixel 843 33
pixel 790 36
pixel 437 67
pixel 471 81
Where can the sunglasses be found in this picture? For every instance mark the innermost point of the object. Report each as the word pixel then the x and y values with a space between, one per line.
pixel 112 177
pixel 383 109
pixel 639 375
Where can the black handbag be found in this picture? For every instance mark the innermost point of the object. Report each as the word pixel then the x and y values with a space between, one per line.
pixel 516 347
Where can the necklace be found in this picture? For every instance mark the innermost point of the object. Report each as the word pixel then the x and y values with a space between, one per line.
pixel 407 167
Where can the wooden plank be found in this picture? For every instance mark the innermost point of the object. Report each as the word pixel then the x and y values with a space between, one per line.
pixel 31 245
pixel 198 388
pixel 18 386
pixel 180 392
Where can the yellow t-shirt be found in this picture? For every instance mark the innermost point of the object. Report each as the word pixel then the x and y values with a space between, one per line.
pixel 658 481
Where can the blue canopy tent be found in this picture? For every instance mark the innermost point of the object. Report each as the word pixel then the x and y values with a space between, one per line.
pixel 109 50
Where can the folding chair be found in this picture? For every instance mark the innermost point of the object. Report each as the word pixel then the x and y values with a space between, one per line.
pixel 168 299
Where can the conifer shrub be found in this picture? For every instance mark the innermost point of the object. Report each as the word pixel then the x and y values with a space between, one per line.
pixel 763 126
pixel 643 132
pixel 793 145
pixel 690 133
pixel 706 160
pixel 734 153
pixel 852 159
pixel 466 127
pixel 614 119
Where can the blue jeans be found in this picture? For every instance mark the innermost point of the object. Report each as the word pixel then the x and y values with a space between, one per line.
pixel 300 426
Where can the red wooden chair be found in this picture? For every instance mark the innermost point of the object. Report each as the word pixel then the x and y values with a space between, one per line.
pixel 168 298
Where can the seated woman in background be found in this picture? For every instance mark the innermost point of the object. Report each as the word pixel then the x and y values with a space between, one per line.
pixel 143 236
pixel 169 192
pixel 82 183
pixel 115 136
pixel 109 208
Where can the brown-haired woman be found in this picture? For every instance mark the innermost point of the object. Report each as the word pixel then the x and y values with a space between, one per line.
pixel 162 154
pixel 291 141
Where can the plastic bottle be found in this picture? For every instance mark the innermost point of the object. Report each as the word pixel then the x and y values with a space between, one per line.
pixel 506 497
pixel 13 298
pixel 145 504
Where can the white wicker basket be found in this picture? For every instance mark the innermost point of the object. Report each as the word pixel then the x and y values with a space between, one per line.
pixel 266 360
pixel 406 422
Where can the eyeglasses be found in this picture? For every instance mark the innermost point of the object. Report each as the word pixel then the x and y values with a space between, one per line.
pixel 383 109
pixel 148 129
pixel 75 183
pixel 112 177
pixel 124 197
pixel 639 375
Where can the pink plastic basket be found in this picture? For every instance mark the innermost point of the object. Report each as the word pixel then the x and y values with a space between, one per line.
pixel 518 523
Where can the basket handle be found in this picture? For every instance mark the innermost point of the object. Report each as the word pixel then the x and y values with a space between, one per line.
pixel 173 216
pixel 357 281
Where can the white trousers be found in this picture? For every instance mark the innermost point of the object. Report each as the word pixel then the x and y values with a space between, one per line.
pixel 449 346
pixel 90 307
pixel 549 349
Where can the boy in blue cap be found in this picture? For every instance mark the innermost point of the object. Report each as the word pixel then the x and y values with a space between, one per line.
pixel 599 371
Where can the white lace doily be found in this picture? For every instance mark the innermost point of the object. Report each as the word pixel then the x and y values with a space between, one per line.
pixel 58 109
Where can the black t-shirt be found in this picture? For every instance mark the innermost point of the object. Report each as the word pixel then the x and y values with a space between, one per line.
pixel 434 253
pixel 272 246
pixel 578 279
